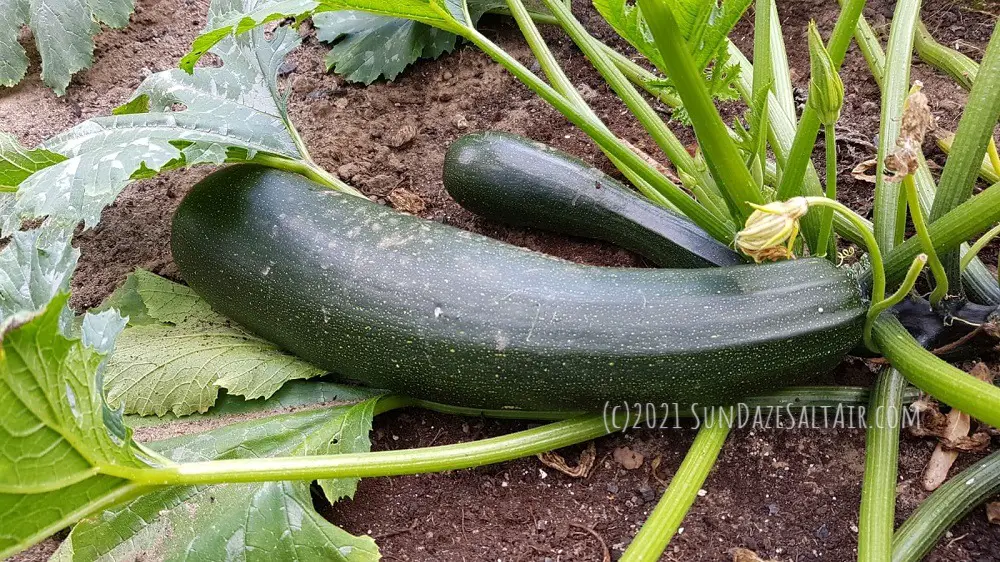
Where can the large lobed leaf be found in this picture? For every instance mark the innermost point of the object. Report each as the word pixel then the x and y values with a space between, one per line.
pixel 366 47
pixel 67 457
pixel 61 457
pixel 177 353
pixel 64 34
pixel 174 119
pixel 260 521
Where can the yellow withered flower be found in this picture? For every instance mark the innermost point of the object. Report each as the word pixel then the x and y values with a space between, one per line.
pixel 770 231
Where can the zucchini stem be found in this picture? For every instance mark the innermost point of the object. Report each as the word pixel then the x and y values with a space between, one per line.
pixel 655 534
pixel 917 216
pixel 383 463
pixel 935 376
pixel 307 169
pixel 874 254
pixel 979 245
pixel 904 289
pixel 826 224
pixel 954 500
pixel 878 492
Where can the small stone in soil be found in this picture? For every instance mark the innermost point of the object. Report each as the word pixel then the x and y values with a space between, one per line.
pixel 287 68
pixel 647 492
pixel 823 532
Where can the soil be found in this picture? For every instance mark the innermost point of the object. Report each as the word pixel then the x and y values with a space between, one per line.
pixel 787 494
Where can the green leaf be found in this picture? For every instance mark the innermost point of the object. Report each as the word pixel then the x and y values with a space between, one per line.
pixel 177 353
pixel 367 47
pixel 35 266
pixel 65 453
pixel 268 521
pixel 294 395
pixel 233 112
pixel 705 24
pixel 17 162
pixel 234 19
pixel 64 34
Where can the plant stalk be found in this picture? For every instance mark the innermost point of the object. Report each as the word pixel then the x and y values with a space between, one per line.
pixel 826 224
pixel 889 214
pixel 721 153
pixel 655 534
pixel 878 492
pixel 934 376
pixel 946 506
pixel 975 129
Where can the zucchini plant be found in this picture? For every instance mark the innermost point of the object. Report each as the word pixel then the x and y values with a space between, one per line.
pixel 472 333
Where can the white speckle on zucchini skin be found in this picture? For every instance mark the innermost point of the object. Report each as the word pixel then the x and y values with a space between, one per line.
pixel 492 337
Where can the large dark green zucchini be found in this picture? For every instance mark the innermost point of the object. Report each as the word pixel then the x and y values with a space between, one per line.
pixel 435 312
pixel 514 180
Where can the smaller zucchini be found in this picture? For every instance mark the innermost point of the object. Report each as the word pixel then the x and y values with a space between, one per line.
pixel 514 180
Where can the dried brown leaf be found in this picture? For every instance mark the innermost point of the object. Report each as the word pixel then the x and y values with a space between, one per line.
pixel 746 555
pixel 405 200
pixel 865 171
pixel 583 467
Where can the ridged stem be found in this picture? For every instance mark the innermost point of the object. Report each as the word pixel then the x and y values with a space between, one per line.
pixel 946 506
pixel 878 492
pixel 826 224
pixel 889 214
pixel 975 129
pixel 655 534
pixel 721 153
pixel 934 376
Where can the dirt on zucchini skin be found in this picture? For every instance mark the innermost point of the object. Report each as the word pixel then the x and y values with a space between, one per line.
pixel 438 313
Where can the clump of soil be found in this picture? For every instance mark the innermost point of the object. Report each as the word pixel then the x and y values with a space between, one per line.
pixel 786 494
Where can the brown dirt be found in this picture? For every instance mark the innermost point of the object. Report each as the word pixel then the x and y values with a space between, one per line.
pixel 789 495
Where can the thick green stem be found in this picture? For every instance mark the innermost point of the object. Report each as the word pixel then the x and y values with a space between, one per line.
pixel 934 376
pixel 763 70
pixel 917 216
pixel 889 213
pixel 946 506
pixel 782 88
pixel 874 254
pixel 960 67
pixel 878 493
pixel 877 308
pixel 721 153
pixel 385 463
pixel 641 77
pixel 975 129
pixel 799 156
pixel 311 171
pixel 826 222
pixel 655 534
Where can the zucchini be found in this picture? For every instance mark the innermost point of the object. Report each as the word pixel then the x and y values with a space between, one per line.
pixel 514 180
pixel 438 313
